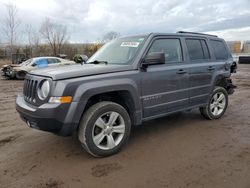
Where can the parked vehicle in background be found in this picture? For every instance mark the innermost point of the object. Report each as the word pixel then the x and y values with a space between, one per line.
pixel 63 56
pixel 244 59
pixel 19 71
pixel 18 58
pixel 128 81
pixel 80 58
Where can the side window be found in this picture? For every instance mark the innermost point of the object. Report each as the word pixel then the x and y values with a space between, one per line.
pixel 219 49
pixel 205 49
pixel 58 61
pixel 170 47
pixel 197 49
pixel 53 61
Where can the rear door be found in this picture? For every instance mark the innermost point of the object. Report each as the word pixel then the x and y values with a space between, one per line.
pixel 165 86
pixel 222 57
pixel 201 68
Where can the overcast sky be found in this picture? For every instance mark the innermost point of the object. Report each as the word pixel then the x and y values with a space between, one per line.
pixel 89 20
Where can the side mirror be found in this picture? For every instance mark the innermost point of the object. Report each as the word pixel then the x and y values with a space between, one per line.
pixel 154 58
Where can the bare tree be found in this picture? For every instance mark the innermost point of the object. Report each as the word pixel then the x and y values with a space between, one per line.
pixel 33 39
pixel 10 26
pixel 28 33
pixel 110 36
pixel 56 35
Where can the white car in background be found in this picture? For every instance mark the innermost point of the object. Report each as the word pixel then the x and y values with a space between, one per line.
pixel 19 71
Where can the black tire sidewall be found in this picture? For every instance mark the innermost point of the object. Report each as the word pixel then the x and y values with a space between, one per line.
pixel 90 124
pixel 21 75
pixel 217 90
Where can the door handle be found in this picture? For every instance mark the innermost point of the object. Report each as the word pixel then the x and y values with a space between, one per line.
pixel 210 68
pixel 181 71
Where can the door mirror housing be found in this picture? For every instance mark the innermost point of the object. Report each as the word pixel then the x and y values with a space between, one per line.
pixel 154 58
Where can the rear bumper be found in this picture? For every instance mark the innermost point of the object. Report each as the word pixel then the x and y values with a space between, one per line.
pixel 48 117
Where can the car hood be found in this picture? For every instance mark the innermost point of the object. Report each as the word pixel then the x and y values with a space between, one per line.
pixel 10 65
pixel 73 71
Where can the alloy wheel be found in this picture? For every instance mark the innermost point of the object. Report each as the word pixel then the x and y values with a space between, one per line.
pixel 108 130
pixel 218 103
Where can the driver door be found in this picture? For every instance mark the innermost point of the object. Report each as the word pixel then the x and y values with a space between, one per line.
pixel 165 86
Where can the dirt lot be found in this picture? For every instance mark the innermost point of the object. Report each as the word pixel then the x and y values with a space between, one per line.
pixel 182 150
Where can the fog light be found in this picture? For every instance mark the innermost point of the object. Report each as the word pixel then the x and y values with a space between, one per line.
pixel 64 99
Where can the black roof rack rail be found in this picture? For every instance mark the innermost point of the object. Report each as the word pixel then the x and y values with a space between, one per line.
pixel 196 33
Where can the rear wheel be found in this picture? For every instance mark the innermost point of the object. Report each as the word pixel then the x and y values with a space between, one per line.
pixel 217 104
pixel 104 129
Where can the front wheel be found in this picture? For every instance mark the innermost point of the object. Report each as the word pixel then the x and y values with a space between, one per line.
pixel 104 129
pixel 217 104
pixel 21 75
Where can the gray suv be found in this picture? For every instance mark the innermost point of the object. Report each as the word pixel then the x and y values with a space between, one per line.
pixel 128 81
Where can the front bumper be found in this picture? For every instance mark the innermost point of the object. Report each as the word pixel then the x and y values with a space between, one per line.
pixel 8 73
pixel 47 117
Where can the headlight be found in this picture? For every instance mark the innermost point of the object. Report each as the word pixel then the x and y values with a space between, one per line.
pixel 43 90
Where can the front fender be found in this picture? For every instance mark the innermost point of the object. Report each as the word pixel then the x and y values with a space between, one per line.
pixel 86 90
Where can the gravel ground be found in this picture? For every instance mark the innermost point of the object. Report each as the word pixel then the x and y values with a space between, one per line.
pixel 181 150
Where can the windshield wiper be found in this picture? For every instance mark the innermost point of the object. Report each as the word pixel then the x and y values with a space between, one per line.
pixel 98 62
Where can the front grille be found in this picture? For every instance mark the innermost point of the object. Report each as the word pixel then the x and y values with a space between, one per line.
pixel 30 90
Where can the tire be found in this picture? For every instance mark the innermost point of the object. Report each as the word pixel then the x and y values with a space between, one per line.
pixel 21 75
pixel 96 129
pixel 217 104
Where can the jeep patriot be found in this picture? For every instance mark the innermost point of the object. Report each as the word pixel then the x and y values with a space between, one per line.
pixel 128 81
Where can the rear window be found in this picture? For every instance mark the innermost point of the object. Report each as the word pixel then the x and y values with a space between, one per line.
pixel 53 61
pixel 205 49
pixel 197 49
pixel 220 51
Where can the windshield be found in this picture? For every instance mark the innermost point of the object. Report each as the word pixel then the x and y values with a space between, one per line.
pixel 119 51
pixel 26 62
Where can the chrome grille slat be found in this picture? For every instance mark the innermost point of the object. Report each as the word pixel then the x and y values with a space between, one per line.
pixel 30 90
pixel 26 89
pixel 35 90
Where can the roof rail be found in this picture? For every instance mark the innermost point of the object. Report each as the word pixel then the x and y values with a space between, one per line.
pixel 196 33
